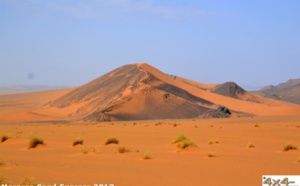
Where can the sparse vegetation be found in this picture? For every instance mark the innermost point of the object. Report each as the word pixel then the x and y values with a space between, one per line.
pixel 146 156
pixel 158 124
pixel 180 137
pixel 123 150
pixel 78 141
pixel 35 141
pixel 184 142
pixel 96 150
pixel 112 140
pixel 256 126
pixel 4 138
pixel 212 142
pixel 211 155
pixel 288 147
pixel 84 150
pixel 251 145
pixel 298 160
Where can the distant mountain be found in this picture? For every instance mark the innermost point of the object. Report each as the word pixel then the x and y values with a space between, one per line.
pixel 27 88
pixel 288 91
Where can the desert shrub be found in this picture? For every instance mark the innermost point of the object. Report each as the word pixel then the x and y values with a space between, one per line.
pixel 288 147
pixel 146 156
pixel 298 160
pixel 179 138
pixel 186 143
pixel 85 150
pixel 256 126
pixel 183 141
pixel 78 141
pixel 4 138
pixel 211 155
pixel 123 150
pixel 251 145
pixel 35 141
pixel 211 142
pixel 112 140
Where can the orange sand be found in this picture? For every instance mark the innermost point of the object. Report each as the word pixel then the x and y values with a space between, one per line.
pixel 59 162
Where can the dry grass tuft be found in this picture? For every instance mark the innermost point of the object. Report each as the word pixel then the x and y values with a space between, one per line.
pixel 123 150
pixel 85 150
pixel 180 137
pixel 112 140
pixel 34 142
pixel 288 147
pixel 211 155
pixel 184 142
pixel 78 141
pixel 4 138
pixel 251 145
pixel 212 142
pixel 146 156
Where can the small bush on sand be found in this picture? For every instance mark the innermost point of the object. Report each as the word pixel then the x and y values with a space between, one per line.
pixel 288 147
pixel 35 141
pixel 211 155
pixel 211 142
pixel 78 141
pixel 185 144
pixel 85 150
pixel 123 150
pixel 4 138
pixel 146 156
pixel 180 137
pixel 112 140
pixel 251 145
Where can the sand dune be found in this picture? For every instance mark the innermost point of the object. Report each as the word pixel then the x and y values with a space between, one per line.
pixel 138 92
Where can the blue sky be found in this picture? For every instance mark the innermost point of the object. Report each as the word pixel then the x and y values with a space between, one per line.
pixel 70 42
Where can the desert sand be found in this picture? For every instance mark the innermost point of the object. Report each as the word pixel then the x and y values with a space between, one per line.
pixel 151 103
pixel 58 162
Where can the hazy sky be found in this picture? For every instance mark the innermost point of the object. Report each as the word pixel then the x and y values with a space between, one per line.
pixel 70 42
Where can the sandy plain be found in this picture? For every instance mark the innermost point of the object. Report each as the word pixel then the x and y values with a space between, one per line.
pixel 59 162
